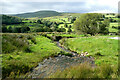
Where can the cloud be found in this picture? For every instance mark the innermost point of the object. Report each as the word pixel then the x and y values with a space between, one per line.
pixel 79 6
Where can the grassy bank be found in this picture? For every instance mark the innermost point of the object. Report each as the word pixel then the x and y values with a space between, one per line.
pixel 104 50
pixel 22 52
pixel 85 71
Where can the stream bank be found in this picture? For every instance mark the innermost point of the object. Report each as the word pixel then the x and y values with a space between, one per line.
pixel 60 62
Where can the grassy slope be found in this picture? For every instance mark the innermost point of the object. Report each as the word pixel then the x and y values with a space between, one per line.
pixel 44 47
pixel 86 71
pixel 113 29
pixel 95 45
pixel 113 24
pixel 16 63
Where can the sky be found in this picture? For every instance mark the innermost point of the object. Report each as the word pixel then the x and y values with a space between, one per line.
pixel 74 6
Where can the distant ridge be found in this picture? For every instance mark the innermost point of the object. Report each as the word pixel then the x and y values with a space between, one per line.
pixel 41 14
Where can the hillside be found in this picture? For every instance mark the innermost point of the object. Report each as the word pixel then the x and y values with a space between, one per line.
pixel 40 14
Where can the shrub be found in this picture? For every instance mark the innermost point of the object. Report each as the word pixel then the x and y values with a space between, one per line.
pixel 105 71
pixel 12 42
pixel 98 54
pixel 33 40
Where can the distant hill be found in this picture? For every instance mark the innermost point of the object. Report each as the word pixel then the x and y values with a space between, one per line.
pixel 40 14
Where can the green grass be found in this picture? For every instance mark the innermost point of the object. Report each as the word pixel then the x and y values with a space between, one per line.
pixel 108 48
pixel 113 29
pixel 115 18
pixel 18 63
pixel 110 16
pixel 86 71
pixel 113 24
pixel 67 35
pixel 44 46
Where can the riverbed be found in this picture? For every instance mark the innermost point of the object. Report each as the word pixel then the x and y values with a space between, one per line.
pixel 50 65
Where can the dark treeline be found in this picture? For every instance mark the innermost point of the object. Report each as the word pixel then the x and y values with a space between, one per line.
pixel 40 25
pixel 10 20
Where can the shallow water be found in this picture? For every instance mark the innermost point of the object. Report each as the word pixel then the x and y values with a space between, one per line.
pixel 118 38
pixel 66 50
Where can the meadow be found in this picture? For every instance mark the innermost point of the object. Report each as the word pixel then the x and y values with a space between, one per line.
pixel 103 49
pixel 112 25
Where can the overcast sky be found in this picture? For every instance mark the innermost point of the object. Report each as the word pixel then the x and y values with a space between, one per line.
pixel 75 6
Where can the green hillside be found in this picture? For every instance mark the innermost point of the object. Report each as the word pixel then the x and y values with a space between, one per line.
pixel 40 14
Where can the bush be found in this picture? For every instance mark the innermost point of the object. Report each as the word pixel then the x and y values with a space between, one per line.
pixel 105 71
pixel 98 54
pixel 11 43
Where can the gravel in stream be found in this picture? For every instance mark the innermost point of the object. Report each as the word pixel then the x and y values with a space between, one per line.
pixel 51 65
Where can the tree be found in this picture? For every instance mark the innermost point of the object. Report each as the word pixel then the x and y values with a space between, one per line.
pixel 40 29
pixel 70 26
pixel 54 29
pixel 30 22
pixel 103 16
pixel 17 30
pixel 117 16
pixel 65 25
pixel 53 25
pixel 111 20
pixel 73 19
pixel 47 29
pixel 25 29
pixel 89 24
pixel 10 29
pixel 39 21
pixel 4 29
pixel 10 20
pixel 61 30
pixel 69 30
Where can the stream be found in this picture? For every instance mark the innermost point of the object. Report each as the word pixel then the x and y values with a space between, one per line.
pixel 51 65
pixel 66 50
pixel 117 38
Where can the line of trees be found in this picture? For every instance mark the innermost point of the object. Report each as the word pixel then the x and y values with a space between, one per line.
pixel 42 25
pixel 15 29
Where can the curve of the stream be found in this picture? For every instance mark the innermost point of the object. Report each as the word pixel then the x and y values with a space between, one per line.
pixel 51 65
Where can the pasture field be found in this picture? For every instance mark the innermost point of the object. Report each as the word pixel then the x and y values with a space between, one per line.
pixel 103 49
pixel 111 29
pixel 110 16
